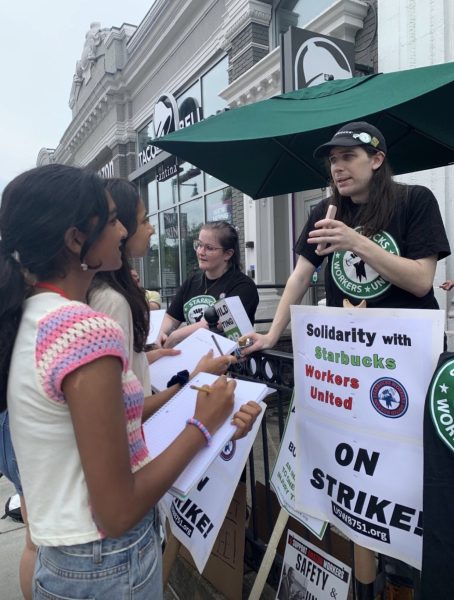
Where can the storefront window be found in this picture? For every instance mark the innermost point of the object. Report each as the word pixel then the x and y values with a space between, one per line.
pixel 168 193
pixel 145 136
pixel 211 183
pixel 295 12
pixel 219 205
pixel 192 92
pixel 181 204
pixel 152 195
pixel 189 182
pixel 168 242
pixel 191 220
pixel 151 262
pixel 212 83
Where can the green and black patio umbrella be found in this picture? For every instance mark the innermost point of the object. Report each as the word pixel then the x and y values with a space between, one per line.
pixel 265 149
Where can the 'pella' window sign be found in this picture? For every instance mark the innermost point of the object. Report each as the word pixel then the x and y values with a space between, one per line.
pixel 167 117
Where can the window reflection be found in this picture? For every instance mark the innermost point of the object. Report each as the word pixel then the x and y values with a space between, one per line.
pixel 212 83
pixel 189 182
pixel 191 220
pixel 219 205
pixel 151 262
pixel 168 242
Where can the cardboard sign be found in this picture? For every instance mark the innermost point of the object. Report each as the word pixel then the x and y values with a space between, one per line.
pixel 233 317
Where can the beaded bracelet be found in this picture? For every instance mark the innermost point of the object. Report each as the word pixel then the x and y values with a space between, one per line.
pixel 201 428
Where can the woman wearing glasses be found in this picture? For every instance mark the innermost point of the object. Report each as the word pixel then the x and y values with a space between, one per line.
pixel 219 276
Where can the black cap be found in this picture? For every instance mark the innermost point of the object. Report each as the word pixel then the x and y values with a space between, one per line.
pixel 358 133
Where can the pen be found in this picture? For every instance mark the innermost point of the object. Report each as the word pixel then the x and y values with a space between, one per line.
pixel 213 337
pixel 200 389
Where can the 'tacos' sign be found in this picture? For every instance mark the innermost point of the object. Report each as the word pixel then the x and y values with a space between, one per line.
pixel 167 117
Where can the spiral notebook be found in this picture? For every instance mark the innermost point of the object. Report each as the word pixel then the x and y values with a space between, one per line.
pixel 161 429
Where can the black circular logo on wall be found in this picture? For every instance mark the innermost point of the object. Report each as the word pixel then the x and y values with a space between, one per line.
pixel 319 59
pixel 165 115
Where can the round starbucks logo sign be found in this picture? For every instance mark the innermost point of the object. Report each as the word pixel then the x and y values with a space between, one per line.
pixel 441 403
pixel 356 278
pixel 195 307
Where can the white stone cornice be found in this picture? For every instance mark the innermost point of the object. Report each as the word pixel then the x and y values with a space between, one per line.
pixel 239 13
pixel 341 20
pixel 124 32
pixel 261 81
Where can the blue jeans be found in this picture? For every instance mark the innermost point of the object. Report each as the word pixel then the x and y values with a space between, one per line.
pixel 124 568
pixel 8 463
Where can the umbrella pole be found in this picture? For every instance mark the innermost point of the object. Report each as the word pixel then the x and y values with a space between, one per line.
pixel 267 561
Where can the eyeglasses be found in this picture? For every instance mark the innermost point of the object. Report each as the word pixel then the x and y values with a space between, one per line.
pixel 208 247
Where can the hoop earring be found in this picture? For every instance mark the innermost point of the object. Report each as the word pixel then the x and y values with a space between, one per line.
pixel 84 266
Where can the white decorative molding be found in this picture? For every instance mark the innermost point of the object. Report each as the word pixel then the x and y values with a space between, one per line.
pixel 341 20
pixel 239 13
pixel 93 39
pixel 261 81
pixel 45 157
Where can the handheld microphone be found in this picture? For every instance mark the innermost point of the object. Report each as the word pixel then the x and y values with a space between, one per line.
pixel 211 317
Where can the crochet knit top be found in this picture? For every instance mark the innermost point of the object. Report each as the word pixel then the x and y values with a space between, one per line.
pixel 56 337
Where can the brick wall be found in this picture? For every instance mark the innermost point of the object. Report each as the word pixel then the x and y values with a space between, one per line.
pixel 366 50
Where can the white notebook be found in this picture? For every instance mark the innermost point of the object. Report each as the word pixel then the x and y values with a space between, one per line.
pixel 192 349
pixel 156 319
pixel 161 429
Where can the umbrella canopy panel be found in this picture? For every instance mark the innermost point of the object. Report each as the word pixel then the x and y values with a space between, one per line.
pixel 265 149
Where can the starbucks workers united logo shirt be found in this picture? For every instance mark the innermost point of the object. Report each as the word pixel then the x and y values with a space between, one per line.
pixel 357 279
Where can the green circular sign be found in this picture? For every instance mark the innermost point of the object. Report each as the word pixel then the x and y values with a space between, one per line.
pixel 441 403
pixel 356 278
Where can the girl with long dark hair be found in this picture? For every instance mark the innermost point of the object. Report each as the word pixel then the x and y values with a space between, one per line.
pixel 75 407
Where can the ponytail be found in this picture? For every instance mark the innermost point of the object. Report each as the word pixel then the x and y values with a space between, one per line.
pixel 12 295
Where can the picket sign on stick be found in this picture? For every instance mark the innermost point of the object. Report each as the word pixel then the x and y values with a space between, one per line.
pixel 364 559
pixel 365 565
pixel 267 561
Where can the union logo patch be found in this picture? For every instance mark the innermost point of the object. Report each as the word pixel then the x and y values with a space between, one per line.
pixel 389 397
pixel 229 450
pixel 441 403
pixel 194 308
pixel 356 278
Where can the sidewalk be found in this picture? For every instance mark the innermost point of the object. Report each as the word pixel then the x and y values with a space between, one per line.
pixel 12 536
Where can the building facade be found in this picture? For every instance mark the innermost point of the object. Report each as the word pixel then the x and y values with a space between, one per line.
pixel 190 59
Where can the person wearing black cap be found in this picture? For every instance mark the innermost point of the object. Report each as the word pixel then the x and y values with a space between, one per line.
pixel 383 244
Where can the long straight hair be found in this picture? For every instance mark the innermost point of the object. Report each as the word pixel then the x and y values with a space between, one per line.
pixel 38 207
pixel 127 199
pixel 376 214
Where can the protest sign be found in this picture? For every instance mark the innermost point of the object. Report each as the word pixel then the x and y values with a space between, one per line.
pixel 309 573
pixel 225 566
pixel 359 397
pixel 283 477
pixel 196 520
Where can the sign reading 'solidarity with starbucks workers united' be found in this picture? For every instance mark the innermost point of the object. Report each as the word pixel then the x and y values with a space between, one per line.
pixel 361 377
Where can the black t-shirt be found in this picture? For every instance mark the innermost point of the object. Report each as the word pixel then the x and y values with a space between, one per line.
pixel 191 299
pixel 416 231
